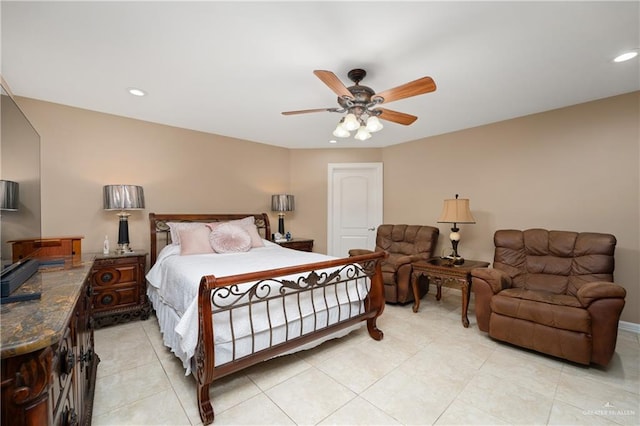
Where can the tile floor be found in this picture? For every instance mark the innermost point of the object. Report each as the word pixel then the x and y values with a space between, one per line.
pixel 428 369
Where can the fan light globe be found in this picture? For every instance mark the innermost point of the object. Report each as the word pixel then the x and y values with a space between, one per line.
pixel 362 134
pixel 341 132
pixel 374 124
pixel 350 122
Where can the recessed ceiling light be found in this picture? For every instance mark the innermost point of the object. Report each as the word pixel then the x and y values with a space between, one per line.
pixel 333 141
pixel 626 56
pixel 136 92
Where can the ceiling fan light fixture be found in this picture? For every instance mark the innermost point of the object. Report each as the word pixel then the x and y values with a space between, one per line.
pixel 362 134
pixel 374 124
pixel 340 131
pixel 351 122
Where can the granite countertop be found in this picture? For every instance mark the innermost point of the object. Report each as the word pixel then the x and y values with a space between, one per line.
pixel 35 324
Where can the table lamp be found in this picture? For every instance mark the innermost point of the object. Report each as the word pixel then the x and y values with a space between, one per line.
pixel 456 211
pixel 282 203
pixel 123 197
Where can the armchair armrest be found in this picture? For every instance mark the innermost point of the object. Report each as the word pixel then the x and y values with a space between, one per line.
pixel 358 252
pixel 485 282
pixel 495 278
pixel 593 291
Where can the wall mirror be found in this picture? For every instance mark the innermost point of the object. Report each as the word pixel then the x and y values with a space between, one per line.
pixel 20 163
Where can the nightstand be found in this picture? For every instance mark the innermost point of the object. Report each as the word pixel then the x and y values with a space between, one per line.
pixel 301 244
pixel 119 288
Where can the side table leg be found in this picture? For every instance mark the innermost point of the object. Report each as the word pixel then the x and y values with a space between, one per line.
pixel 466 294
pixel 416 291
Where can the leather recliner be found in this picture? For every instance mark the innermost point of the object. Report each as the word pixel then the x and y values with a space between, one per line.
pixel 404 245
pixel 552 292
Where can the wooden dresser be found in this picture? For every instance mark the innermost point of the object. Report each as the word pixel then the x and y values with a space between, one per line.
pixel 47 348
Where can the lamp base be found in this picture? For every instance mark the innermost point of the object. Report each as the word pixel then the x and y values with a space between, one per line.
pixel 458 260
pixel 123 249
pixel 123 234
pixel 281 224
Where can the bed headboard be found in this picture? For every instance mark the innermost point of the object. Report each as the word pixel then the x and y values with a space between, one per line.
pixel 160 235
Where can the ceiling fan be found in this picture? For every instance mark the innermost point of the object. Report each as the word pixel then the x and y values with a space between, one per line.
pixel 361 103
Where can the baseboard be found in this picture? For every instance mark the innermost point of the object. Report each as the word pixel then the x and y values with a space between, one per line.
pixel 629 326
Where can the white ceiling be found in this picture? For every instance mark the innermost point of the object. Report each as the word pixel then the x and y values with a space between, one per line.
pixel 231 68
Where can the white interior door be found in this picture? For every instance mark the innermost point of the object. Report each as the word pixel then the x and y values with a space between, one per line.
pixel 355 206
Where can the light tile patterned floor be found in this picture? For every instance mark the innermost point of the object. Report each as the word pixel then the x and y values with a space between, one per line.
pixel 428 369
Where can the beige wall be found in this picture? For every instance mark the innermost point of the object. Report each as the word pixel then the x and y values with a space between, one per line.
pixel 181 171
pixel 575 168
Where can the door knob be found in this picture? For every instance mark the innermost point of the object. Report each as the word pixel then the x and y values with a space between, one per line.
pixel 372 229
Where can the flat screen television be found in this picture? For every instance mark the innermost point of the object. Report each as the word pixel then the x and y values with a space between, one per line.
pixel 19 164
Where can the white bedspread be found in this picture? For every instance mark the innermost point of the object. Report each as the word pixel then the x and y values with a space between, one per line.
pixel 175 280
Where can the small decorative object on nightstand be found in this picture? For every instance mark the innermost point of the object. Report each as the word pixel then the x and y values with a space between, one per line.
pixel 119 288
pixel 301 244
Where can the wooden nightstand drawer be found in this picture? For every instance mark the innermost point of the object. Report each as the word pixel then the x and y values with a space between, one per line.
pixel 114 275
pixel 119 288
pixel 107 300
pixel 302 244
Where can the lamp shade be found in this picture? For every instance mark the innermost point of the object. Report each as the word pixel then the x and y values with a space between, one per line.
pixel 9 191
pixel 456 211
pixel 282 203
pixel 123 197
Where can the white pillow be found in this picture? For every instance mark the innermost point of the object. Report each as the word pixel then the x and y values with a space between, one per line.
pixel 229 238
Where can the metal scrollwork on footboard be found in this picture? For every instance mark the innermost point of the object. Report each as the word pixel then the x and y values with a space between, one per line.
pixel 264 314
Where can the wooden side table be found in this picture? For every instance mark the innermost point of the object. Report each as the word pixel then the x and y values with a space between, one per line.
pixel 302 244
pixel 119 288
pixel 441 273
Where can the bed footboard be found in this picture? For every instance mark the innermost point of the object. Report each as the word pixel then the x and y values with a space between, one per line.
pixel 318 299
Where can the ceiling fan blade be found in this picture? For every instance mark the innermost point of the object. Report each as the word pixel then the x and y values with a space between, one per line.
pixel 305 111
pixel 417 87
pixel 395 116
pixel 334 83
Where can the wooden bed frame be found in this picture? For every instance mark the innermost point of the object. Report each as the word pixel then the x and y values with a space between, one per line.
pixel 212 288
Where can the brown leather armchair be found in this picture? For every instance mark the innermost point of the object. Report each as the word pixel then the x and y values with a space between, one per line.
pixel 553 292
pixel 404 245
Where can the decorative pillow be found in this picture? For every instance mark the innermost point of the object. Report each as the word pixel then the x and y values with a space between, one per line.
pixel 195 241
pixel 229 238
pixel 249 225
pixel 176 227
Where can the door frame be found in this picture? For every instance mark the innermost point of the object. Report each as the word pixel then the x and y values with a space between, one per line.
pixel 332 168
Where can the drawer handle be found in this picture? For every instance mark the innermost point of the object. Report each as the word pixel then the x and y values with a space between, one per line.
pixel 69 417
pixel 67 361
pixel 107 299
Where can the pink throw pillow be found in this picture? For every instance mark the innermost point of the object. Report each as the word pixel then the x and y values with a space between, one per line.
pixel 248 224
pixel 229 238
pixel 176 227
pixel 195 241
